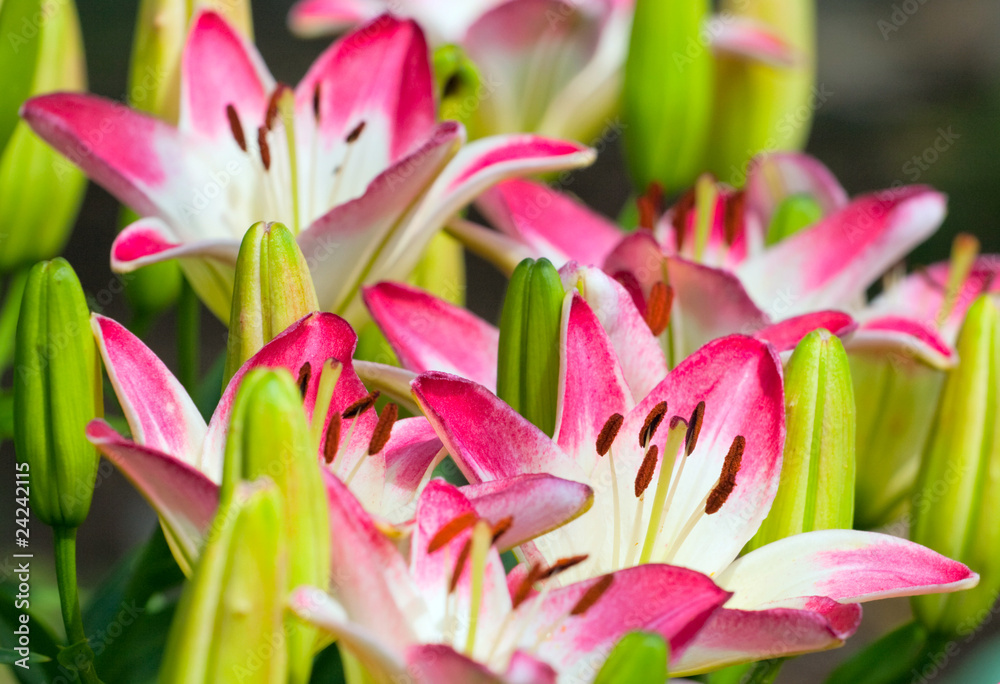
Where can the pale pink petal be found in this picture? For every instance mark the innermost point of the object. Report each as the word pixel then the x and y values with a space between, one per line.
pixel 778 175
pixel 485 436
pixel 159 411
pixel 311 18
pixel 150 240
pixel 903 338
pixel 428 333
pixel 753 41
pixel 639 258
pixel 437 663
pixel 553 224
pixel 845 565
pixel 786 334
pixel 833 263
pixel 733 636
pixel 220 68
pixel 536 504
pixel 410 455
pixel 591 384
pixel 183 498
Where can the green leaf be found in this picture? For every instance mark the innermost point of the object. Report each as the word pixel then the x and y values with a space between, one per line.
pixel 639 658
pixel 20 27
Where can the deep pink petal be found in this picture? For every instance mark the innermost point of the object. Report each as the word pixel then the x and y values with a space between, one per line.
pixel 220 68
pixel 150 240
pixel 183 498
pixel 487 438
pixel 639 257
pixel 904 338
pixel 536 504
pixel 428 333
pixel 786 334
pixel 553 224
pixel 832 263
pixel 159 411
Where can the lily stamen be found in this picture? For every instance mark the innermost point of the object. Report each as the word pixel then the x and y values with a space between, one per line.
pixel 658 307
pixel 652 423
pixel 362 405
pixel 452 529
pixel 727 479
pixel 608 433
pixel 332 440
pixel 656 517
pixel 236 127
pixel 383 429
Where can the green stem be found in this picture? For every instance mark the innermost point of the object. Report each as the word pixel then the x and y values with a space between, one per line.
pixel 188 337
pixel 69 599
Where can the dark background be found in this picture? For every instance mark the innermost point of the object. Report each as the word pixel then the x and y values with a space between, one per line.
pixel 893 91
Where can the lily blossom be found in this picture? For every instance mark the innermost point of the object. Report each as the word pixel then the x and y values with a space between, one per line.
pixel 352 160
pixel 685 476
pixel 439 607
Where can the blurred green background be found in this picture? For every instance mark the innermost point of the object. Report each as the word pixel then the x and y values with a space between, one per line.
pixel 899 77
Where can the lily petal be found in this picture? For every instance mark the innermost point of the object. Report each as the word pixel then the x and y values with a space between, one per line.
pixel 313 18
pixel 786 334
pixel 903 338
pixel 436 663
pixel 428 333
pixel 540 217
pixel 777 175
pixel 753 41
pixel 845 565
pixel 150 240
pixel 159 411
pixel 183 498
pixel 410 455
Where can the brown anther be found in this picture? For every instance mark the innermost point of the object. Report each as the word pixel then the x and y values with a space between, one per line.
pixel 265 150
pixel 682 213
pixel 272 106
pixel 463 556
pixel 694 428
pixel 236 127
pixel 608 433
pixel 658 306
pixel 653 420
pixel 316 101
pixel 650 205
pixel 331 442
pixel 562 565
pixel 733 216
pixel 356 133
pixel 524 588
pixel 383 429
pixel 592 595
pixel 646 470
pixel 452 529
pixel 727 479
pixel 361 405
pixel 501 528
pixel 305 374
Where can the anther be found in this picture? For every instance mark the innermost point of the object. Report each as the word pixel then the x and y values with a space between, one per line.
pixel 356 133
pixel 452 529
pixel 463 556
pixel 658 306
pixel 524 588
pixel 562 565
pixel 501 528
pixel 265 150
pixel 316 101
pixel 592 595
pixel 727 479
pixel 650 205
pixel 694 428
pixel 383 429
pixel 652 422
pixel 646 470
pixel 682 213
pixel 305 374
pixel 332 440
pixel 733 216
pixel 236 127
pixel 361 405
pixel 272 106
pixel 608 433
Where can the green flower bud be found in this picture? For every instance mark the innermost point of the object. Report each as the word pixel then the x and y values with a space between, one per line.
pixel 441 270
pixel 57 391
pixel 762 107
pixel 229 625
pixel 957 499
pixel 639 658
pixel 816 489
pixel 668 93
pixel 273 289
pixel 458 84
pixel 269 436
pixel 528 359
pixel 40 191
pixel 794 213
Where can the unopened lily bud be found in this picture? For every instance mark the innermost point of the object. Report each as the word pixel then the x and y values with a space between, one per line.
pixel 272 290
pixel 793 214
pixel 269 436
pixel 764 88
pixel 956 505
pixel 459 88
pixel 57 391
pixel 816 489
pixel 229 625
pixel 40 191
pixel 668 92
pixel 528 360
pixel 639 658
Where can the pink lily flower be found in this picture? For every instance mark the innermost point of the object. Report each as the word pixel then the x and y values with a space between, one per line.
pixel 685 476
pixel 352 160
pixel 175 460
pixel 440 609
pixel 550 66
pixel 728 281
